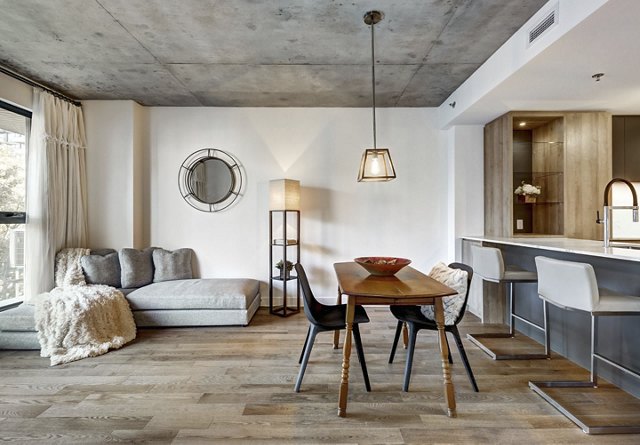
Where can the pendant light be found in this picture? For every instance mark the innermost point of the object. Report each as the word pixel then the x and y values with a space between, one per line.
pixel 376 164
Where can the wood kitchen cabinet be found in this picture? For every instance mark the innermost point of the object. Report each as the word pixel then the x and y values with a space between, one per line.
pixel 567 154
pixel 626 147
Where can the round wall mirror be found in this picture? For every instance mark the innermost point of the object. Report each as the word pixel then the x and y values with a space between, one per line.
pixel 210 180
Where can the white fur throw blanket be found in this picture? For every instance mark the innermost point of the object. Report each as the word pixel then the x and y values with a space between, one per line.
pixel 78 321
pixel 68 270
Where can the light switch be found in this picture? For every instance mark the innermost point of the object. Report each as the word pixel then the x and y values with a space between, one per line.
pixel 519 224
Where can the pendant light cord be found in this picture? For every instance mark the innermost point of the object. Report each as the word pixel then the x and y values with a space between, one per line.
pixel 373 86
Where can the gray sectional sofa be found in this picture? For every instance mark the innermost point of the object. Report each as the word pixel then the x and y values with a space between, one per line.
pixel 171 298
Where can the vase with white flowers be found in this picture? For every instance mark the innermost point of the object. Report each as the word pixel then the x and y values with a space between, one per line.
pixel 527 193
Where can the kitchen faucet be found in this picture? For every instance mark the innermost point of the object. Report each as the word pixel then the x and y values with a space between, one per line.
pixel 608 208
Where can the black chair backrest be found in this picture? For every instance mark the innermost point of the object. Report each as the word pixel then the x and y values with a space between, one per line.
pixel 469 271
pixel 312 307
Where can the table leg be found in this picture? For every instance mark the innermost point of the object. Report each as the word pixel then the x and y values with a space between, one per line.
pixel 346 357
pixel 336 334
pixel 449 391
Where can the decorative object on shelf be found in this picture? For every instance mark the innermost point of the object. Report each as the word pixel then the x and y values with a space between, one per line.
pixel 376 164
pixel 285 269
pixel 527 199
pixel 210 180
pixel 284 242
pixel 527 193
pixel 382 266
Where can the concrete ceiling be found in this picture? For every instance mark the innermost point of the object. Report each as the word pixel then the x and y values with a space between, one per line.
pixel 250 53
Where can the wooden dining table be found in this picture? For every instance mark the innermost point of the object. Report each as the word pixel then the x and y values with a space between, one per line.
pixel 406 287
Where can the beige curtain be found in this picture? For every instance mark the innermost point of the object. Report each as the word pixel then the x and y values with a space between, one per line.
pixel 56 188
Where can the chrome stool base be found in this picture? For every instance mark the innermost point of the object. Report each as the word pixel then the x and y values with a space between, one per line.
pixel 474 338
pixel 496 355
pixel 618 425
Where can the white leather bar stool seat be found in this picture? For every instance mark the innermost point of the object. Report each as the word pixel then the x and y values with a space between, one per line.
pixel 572 285
pixel 611 301
pixel 489 265
pixel 516 275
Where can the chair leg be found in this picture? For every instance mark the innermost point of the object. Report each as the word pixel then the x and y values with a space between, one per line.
pixel 594 347
pixel 395 342
pixel 313 330
pixel 305 345
pixel 512 309
pixel 547 331
pixel 360 350
pixel 413 332
pixel 463 355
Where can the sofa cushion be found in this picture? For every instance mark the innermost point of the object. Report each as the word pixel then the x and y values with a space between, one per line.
pixel 136 267
pixel 20 319
pixel 211 293
pixel 169 265
pixel 99 269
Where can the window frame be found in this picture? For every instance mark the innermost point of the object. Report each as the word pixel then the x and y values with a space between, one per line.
pixel 8 216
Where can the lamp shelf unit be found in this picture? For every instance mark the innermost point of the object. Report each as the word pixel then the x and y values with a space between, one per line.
pixel 284 248
pixel 279 278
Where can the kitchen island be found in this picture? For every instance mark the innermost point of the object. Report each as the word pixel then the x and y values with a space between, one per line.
pixel 616 268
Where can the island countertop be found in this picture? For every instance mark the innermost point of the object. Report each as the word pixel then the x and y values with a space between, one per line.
pixel 569 245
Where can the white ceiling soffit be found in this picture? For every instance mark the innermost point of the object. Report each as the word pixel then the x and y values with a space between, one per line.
pixel 555 72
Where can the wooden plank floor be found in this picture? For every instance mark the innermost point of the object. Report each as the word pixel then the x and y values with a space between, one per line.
pixel 235 385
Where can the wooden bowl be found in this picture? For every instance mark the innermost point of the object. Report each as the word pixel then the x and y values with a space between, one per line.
pixel 383 266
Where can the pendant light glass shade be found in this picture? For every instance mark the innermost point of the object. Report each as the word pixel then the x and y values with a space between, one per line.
pixel 376 164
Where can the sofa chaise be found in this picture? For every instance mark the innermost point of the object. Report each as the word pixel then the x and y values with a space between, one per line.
pixel 161 292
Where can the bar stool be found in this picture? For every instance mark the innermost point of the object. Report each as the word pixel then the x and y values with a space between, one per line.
pixel 489 265
pixel 573 286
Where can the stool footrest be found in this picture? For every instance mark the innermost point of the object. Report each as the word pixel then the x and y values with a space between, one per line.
pixel 496 355
pixel 616 421
pixel 617 365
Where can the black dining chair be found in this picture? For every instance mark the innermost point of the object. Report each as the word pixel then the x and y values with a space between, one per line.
pixel 415 319
pixel 324 318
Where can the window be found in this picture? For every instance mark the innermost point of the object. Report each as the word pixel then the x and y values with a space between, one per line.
pixel 14 130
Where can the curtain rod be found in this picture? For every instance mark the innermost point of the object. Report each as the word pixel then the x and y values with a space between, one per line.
pixel 33 83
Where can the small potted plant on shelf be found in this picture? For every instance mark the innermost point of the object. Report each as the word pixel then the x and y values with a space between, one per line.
pixel 284 268
pixel 527 193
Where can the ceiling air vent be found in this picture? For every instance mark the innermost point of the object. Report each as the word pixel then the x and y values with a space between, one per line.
pixel 547 22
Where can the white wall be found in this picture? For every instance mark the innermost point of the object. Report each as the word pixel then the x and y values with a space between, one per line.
pixel 110 173
pixel 465 148
pixel 141 206
pixel 341 218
